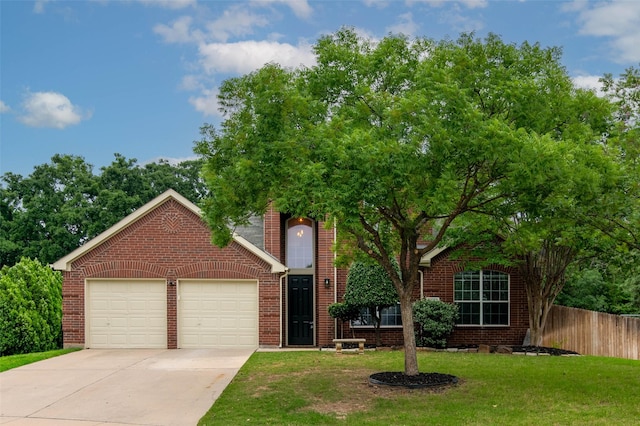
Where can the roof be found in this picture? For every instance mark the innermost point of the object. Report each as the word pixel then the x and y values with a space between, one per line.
pixel 64 264
pixel 426 259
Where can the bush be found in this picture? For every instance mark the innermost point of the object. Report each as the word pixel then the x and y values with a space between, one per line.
pixel 343 311
pixel 435 320
pixel 30 308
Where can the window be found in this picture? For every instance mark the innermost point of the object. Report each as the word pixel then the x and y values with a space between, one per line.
pixel 299 243
pixel 482 297
pixel 391 317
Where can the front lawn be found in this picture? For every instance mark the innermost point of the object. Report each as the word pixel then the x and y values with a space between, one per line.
pixel 13 361
pixel 295 388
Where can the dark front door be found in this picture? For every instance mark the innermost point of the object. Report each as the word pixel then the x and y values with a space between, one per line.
pixel 300 299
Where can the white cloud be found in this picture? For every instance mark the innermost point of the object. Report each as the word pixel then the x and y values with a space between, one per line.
pixel 380 4
pixel 235 21
pixel 179 31
pixel 300 8
pixel 174 161
pixel 588 82
pixel 405 26
pixel 50 109
pixel 38 6
pixel 246 56
pixel 617 20
pixel 207 102
pixel 470 4
pixel 4 108
pixel 170 4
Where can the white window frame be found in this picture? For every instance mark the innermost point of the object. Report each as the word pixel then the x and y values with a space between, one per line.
pixel 481 301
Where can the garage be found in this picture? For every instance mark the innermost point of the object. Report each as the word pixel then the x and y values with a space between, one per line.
pixel 126 314
pixel 218 313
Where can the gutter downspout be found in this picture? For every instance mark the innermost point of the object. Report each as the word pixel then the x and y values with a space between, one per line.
pixel 421 284
pixel 335 280
pixel 283 277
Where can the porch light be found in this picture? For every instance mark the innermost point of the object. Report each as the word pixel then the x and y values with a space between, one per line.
pixel 327 282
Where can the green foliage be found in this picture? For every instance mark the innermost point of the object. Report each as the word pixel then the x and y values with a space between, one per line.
pixel 396 141
pixel 621 207
pixel 343 311
pixel 436 320
pixel 63 204
pixel 608 283
pixel 369 286
pixel 30 308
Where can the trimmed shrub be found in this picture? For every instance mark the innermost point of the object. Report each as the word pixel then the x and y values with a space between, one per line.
pixel 344 312
pixel 435 320
pixel 30 308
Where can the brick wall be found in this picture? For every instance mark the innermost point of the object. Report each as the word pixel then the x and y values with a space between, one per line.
pixel 170 242
pixel 438 282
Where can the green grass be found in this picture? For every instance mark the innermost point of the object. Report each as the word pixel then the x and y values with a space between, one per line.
pixel 13 361
pixel 297 388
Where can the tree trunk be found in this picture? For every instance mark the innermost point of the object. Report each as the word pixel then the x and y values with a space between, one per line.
pixel 410 353
pixel 543 273
pixel 376 315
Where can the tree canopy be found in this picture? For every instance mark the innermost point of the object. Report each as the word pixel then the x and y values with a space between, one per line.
pixel 63 204
pixel 393 141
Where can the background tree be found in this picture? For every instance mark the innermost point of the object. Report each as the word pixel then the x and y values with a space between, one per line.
pixel 63 204
pixel 609 282
pixel 622 222
pixel 393 141
pixel 369 287
pixel 30 308
pixel 49 211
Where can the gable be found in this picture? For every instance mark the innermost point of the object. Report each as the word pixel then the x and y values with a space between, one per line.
pixel 169 225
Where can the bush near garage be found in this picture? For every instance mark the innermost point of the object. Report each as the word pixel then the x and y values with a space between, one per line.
pixel 435 320
pixel 30 308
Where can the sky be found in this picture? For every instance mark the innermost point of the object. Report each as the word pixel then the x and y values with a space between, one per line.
pixel 93 78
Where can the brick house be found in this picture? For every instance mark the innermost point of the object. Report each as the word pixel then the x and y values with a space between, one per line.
pixel 155 280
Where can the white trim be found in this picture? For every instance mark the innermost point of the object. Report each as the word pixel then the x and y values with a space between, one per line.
pixel 65 263
pixel 425 260
pixel 481 302
pixel 276 267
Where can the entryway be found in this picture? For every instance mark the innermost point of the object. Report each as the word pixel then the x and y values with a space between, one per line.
pixel 300 301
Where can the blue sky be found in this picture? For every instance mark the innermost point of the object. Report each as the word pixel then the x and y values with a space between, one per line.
pixel 139 77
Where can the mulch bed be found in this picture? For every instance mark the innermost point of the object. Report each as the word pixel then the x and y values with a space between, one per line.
pixel 422 380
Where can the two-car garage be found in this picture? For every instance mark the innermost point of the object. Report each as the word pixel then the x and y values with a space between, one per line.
pixel 133 313
pixel 155 280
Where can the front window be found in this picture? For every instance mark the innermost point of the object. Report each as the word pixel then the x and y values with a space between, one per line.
pixel 482 297
pixel 390 317
pixel 299 243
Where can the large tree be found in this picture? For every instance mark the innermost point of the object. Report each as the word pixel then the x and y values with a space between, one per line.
pixel 392 141
pixel 48 211
pixel 63 204
pixel 622 222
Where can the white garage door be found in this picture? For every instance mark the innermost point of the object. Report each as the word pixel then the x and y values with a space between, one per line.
pixel 126 314
pixel 213 313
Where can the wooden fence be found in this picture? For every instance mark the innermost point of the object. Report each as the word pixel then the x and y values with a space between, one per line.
pixel 592 333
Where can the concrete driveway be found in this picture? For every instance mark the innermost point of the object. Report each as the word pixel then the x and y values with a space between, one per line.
pixel 118 387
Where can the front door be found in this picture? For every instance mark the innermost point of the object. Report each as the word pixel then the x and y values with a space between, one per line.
pixel 300 299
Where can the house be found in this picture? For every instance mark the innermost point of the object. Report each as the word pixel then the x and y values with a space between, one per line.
pixel 155 280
